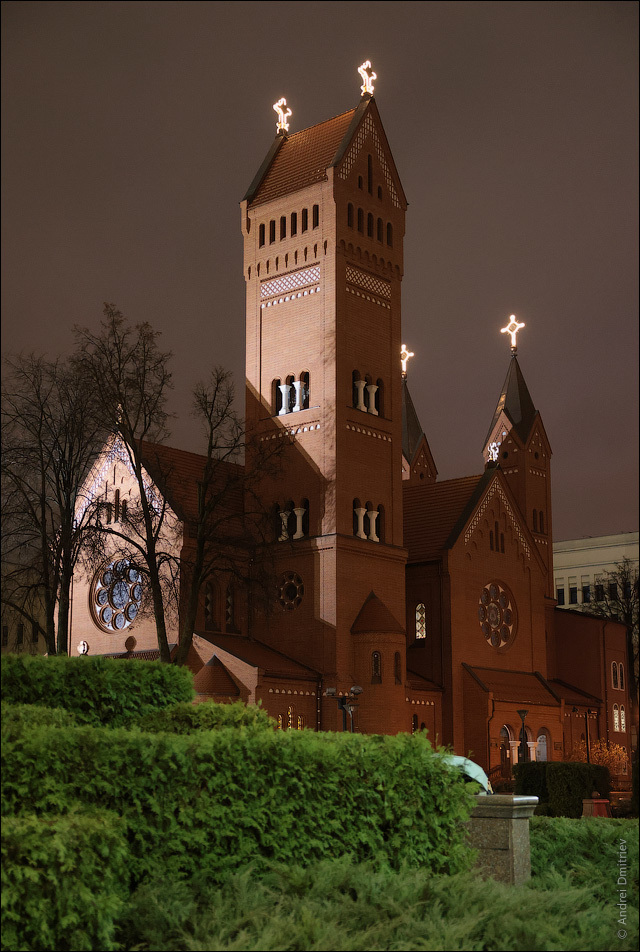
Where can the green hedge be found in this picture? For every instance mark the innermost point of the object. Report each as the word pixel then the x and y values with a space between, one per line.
pixel 20 717
pixel 213 801
pixel 64 881
pixel 208 716
pixel 561 787
pixel 96 690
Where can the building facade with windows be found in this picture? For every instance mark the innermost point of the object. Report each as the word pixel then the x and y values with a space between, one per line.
pixel 402 601
pixel 581 566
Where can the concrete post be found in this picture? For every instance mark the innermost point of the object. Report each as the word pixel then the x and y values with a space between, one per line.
pixel 499 830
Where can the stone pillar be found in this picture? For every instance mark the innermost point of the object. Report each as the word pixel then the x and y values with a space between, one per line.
pixel 499 830
pixel 533 750
pixel 515 751
pixel 299 534
pixel 360 385
pixel 284 516
pixel 373 518
pixel 372 389
pixel 298 386
pixel 285 389
pixel 360 514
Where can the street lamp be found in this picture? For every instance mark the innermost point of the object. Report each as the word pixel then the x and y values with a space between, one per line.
pixel 523 738
pixel 588 713
pixel 347 703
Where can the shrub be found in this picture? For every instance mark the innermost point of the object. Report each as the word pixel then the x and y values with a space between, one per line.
pixel 601 752
pixel 64 881
pixel 96 690
pixel 562 786
pixel 212 801
pixel 20 717
pixel 209 716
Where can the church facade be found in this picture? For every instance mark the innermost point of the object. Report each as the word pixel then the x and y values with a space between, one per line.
pixel 403 601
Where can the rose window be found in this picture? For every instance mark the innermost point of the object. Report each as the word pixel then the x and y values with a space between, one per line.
pixel 290 591
pixel 116 595
pixel 497 615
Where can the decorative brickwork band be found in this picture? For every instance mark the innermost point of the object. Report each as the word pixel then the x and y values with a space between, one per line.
pixel 505 502
pixel 368 128
pixel 304 281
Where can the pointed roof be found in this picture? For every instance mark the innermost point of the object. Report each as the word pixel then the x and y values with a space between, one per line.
pixel 374 616
pixel 515 401
pixel 412 431
pixel 213 678
pixel 258 655
pixel 436 512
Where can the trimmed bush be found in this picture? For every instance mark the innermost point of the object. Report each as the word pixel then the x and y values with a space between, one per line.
pixel 20 717
pixel 97 690
pixel 216 800
pixel 562 786
pixel 64 881
pixel 209 716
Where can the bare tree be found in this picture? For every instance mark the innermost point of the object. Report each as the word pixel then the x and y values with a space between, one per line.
pixel 50 440
pixel 124 365
pixel 229 532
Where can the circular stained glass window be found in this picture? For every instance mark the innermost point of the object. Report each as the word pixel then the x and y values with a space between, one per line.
pixel 116 595
pixel 497 615
pixel 290 591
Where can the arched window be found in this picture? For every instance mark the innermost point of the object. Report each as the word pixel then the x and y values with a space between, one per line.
pixel 502 542
pixel 414 723
pixel 360 221
pixel 280 722
pixel 616 718
pixel 305 518
pixel 276 396
pixel 369 175
pixel 291 392
pixel 211 607
pixel 397 667
pixel 360 182
pixel 306 383
pixel 350 215
pixel 390 234
pixel 305 219
pixel 124 510
pixel 261 235
pixel 542 750
pixel 421 620
pixel 535 520
pixel 272 231
pixel 376 668
pixel 491 539
pixel 300 722
pixel 370 225
pixel 283 227
pixel 355 376
pixel 380 230
pixel 542 522
pixel 294 223
pixel 230 608
pixel 380 525
pixel 614 674
pixel 620 672
pixel 379 399
pixel 316 215
pixel 623 718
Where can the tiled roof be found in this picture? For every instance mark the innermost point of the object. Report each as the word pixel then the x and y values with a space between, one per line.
pixel 259 655
pixel 573 695
pixel 516 402
pixel 432 512
pixel 177 474
pixel 374 616
pixel 521 687
pixel 214 678
pixel 303 158
pixel 417 683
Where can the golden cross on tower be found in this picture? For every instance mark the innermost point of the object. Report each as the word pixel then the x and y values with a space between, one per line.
pixel 512 328
pixel 404 357
pixel 282 125
pixel 367 75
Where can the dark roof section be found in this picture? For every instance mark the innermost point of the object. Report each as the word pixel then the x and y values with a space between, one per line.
pixel 412 431
pixel 436 512
pixel 299 160
pixel 258 655
pixel 213 678
pixel 516 402
pixel 374 616
pixel 521 687
pixel 572 695
pixel 177 475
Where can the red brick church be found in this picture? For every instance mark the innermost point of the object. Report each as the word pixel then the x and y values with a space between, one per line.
pixel 432 598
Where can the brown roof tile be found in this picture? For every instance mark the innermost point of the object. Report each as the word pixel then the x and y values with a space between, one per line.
pixel 259 655
pixel 573 695
pixel 521 687
pixel 303 158
pixel 374 616
pixel 432 511
pixel 213 678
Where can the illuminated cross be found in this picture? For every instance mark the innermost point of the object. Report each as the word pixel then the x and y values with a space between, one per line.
pixel 367 78
pixel 404 357
pixel 512 328
pixel 493 452
pixel 282 125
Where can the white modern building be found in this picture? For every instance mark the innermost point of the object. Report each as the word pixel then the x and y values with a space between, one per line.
pixel 581 565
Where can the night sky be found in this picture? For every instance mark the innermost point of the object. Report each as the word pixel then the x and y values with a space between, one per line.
pixel 131 132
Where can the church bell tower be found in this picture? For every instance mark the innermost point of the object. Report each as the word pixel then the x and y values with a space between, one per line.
pixel 323 228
